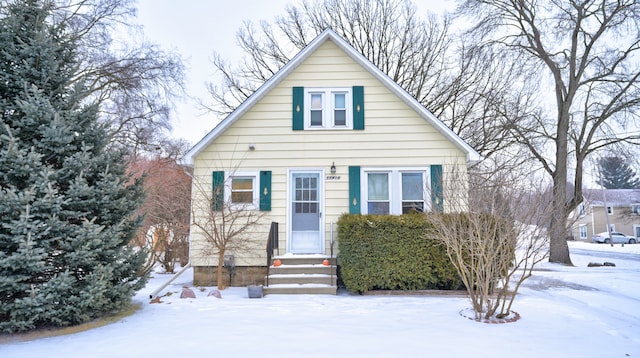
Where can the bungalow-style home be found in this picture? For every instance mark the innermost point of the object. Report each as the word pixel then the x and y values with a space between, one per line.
pixel 622 206
pixel 328 134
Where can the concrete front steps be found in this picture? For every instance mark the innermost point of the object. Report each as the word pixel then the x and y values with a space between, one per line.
pixel 302 274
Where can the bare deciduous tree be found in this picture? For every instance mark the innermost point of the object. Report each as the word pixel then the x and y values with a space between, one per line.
pixel 164 232
pixel 134 82
pixel 587 52
pixel 457 82
pixel 224 225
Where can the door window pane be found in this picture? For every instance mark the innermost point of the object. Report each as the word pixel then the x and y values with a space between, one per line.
pixel 306 205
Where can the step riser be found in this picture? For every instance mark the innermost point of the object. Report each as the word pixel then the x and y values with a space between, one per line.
pixel 302 280
pixel 297 270
pixel 303 260
pixel 329 290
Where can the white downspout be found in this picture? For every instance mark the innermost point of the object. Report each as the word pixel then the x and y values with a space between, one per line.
pixel 155 293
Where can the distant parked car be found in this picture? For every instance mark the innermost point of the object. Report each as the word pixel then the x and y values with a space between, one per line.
pixel 618 238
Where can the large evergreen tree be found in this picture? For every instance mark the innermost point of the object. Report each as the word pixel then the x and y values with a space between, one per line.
pixel 66 202
pixel 617 174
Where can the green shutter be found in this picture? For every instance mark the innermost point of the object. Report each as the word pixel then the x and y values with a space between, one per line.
pixel 437 203
pixel 217 196
pixel 265 190
pixel 354 190
pixel 358 107
pixel 298 108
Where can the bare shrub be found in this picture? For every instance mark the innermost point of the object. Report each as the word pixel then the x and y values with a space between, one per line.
pixel 494 235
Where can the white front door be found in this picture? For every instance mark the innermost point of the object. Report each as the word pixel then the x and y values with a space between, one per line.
pixel 305 213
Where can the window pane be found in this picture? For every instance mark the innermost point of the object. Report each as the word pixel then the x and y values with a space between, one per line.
pixel 241 190
pixel 340 101
pixel 241 183
pixel 412 206
pixel 378 208
pixel 316 118
pixel 378 186
pixel 412 188
pixel 340 117
pixel 316 101
pixel 242 197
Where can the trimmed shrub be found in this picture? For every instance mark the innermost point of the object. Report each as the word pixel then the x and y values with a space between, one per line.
pixel 390 252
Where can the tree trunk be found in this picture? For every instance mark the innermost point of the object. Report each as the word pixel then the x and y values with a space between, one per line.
pixel 220 266
pixel 558 248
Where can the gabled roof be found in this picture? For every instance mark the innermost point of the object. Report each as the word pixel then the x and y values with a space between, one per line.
pixel 329 35
pixel 615 197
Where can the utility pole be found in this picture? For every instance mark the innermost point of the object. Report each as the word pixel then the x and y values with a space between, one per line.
pixel 604 199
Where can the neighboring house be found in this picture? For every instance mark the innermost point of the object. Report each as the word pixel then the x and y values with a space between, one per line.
pixel 328 134
pixel 622 207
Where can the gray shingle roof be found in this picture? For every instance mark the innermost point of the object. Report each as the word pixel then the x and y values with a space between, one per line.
pixel 615 197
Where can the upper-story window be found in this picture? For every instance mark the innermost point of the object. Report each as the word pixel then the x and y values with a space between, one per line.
pixel 609 209
pixel 582 211
pixel 329 108
pixel 635 208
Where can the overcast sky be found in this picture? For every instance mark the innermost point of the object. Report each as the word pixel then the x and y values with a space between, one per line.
pixel 196 28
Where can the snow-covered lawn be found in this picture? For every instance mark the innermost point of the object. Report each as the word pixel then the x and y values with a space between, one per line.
pixel 565 312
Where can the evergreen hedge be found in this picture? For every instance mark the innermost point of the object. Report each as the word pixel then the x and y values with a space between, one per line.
pixel 390 252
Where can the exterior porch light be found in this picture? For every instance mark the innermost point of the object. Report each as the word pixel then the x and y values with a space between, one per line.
pixel 333 168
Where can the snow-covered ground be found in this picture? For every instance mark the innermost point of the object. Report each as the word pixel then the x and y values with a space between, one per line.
pixel 565 312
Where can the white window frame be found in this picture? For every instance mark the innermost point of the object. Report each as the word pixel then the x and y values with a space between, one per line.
pixel 609 209
pixel 582 210
pixel 582 229
pixel 328 104
pixel 395 187
pixel 635 209
pixel 255 197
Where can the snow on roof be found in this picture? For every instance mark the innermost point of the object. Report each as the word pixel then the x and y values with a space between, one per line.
pixel 615 197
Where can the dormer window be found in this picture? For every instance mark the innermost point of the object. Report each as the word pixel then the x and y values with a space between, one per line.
pixel 328 108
